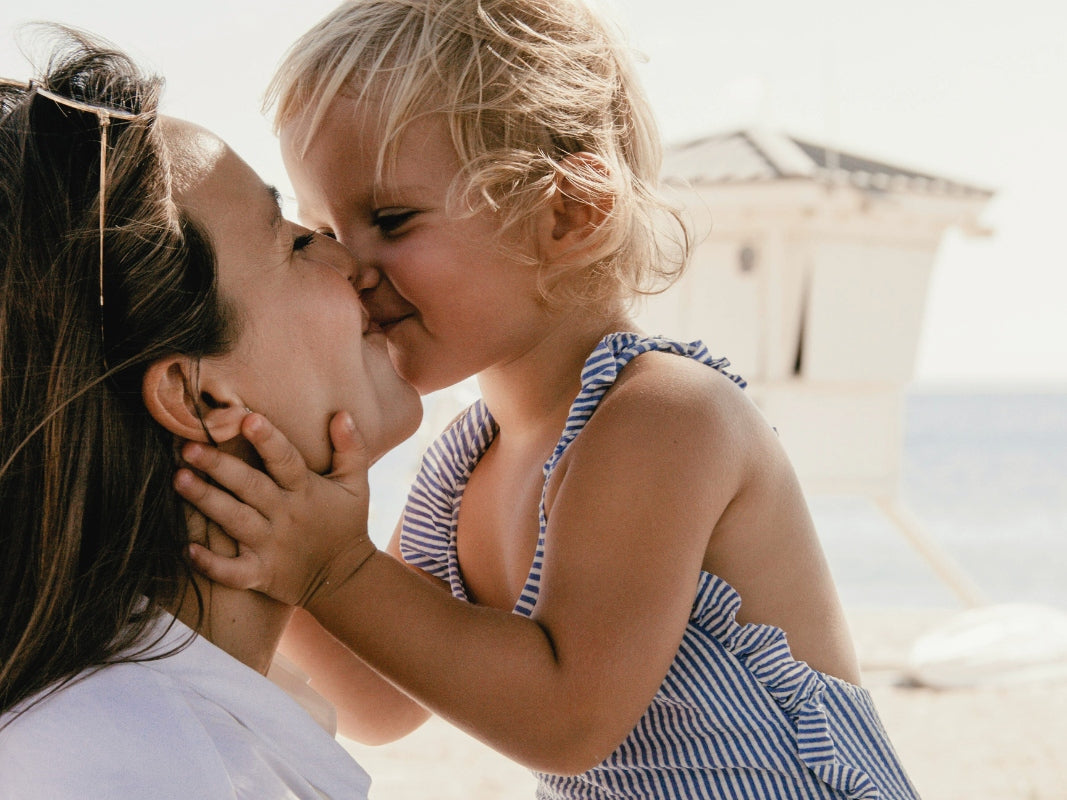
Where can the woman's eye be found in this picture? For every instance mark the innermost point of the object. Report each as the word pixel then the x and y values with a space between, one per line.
pixel 303 241
pixel 390 222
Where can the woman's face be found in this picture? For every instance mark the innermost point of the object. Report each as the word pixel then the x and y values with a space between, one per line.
pixel 304 350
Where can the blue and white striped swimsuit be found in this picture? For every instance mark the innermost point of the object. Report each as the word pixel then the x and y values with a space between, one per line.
pixel 736 715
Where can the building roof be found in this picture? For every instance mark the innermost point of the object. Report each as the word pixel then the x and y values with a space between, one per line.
pixel 752 156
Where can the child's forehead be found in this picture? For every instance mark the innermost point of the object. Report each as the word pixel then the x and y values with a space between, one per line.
pixel 345 154
pixel 369 117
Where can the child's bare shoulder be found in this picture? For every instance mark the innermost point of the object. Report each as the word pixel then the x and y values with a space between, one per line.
pixel 668 384
pixel 668 416
pixel 665 400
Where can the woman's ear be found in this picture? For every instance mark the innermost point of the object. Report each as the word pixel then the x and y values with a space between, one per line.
pixel 576 209
pixel 190 401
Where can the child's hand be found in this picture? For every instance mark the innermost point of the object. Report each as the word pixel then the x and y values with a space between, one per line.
pixel 299 534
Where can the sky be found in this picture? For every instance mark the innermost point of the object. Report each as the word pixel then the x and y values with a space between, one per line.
pixel 975 91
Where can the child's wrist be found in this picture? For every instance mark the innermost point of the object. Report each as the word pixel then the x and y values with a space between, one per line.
pixel 343 569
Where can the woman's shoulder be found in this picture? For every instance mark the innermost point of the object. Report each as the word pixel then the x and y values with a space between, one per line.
pixel 115 728
pixel 109 695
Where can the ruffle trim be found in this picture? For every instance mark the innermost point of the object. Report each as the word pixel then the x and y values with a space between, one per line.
pixel 796 688
pixel 428 529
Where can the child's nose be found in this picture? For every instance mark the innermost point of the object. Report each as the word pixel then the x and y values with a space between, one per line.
pixel 365 277
pixel 361 276
pixel 365 274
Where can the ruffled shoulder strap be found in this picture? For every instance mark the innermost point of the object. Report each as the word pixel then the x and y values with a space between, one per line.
pixel 427 534
pixel 602 368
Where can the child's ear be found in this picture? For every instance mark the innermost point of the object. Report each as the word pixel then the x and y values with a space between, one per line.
pixel 191 400
pixel 576 210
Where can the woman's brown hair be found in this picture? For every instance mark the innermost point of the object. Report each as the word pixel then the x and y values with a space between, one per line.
pixel 90 527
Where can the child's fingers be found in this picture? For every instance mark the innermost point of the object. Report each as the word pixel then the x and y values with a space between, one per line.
pixel 240 521
pixel 351 461
pixel 236 476
pixel 237 573
pixel 281 460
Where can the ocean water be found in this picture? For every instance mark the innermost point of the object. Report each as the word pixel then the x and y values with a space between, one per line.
pixel 984 480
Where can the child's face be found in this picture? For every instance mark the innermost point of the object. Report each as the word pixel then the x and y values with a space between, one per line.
pixel 451 303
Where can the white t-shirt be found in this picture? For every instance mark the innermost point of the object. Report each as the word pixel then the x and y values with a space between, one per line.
pixel 196 724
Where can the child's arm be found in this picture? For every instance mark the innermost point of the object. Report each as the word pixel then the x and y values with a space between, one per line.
pixel 313 527
pixel 370 710
pixel 630 519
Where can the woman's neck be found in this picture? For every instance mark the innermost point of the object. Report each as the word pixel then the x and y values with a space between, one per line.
pixel 246 624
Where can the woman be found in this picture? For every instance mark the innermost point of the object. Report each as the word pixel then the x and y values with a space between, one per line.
pixel 152 294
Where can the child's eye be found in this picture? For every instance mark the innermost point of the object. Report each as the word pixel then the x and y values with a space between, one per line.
pixel 390 222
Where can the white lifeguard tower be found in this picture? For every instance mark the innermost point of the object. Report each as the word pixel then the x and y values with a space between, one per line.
pixel 813 283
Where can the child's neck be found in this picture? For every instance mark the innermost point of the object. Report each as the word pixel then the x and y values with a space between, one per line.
pixel 535 390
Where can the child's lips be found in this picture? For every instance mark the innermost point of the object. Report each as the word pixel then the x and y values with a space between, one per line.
pixel 376 322
pixel 385 309
pixel 386 324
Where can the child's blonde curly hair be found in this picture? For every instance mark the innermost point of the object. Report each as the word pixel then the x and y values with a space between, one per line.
pixel 523 84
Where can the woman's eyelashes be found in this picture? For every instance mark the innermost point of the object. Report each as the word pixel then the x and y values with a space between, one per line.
pixel 303 241
pixel 392 221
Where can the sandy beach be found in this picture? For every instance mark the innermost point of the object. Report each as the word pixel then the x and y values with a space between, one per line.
pixel 985 743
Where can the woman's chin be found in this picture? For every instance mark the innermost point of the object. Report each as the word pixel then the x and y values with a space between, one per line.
pixel 397 434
